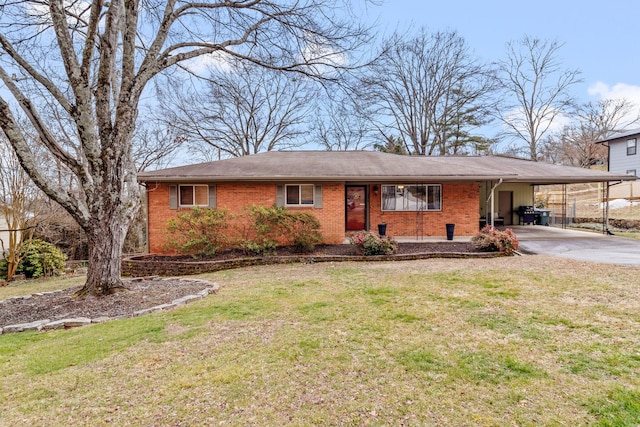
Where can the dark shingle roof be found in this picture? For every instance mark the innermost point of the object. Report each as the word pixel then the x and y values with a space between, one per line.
pixel 619 135
pixel 356 166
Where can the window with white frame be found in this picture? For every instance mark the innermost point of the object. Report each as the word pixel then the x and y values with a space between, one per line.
pixel 193 195
pixel 412 197
pixel 299 194
pixel 631 172
pixel 632 146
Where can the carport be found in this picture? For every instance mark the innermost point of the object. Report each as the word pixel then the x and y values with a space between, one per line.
pixel 502 198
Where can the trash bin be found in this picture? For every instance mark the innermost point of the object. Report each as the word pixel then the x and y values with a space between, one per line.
pixel 450 228
pixel 382 229
pixel 543 216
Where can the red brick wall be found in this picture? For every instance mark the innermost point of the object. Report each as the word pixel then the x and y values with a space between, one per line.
pixel 158 214
pixel 460 206
pixel 234 197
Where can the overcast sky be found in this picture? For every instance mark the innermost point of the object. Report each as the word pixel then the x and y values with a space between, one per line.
pixel 601 38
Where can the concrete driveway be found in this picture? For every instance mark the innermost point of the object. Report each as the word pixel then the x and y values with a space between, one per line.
pixel 580 245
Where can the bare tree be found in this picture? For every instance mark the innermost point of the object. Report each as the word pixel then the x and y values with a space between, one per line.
pixel 239 109
pixel 20 205
pixel 155 145
pixel 593 121
pixel 342 122
pixel 431 90
pixel 91 62
pixel 536 88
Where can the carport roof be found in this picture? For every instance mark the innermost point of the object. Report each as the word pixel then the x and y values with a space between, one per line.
pixel 359 166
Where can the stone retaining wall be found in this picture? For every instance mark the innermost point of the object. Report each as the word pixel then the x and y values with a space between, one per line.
pixel 139 266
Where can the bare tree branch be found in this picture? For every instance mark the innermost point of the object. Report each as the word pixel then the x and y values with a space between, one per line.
pixel 431 90
pixel 576 144
pixel 241 111
pixel 537 90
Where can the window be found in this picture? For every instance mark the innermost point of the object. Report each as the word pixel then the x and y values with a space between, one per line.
pixel 632 145
pixel 299 194
pixel 194 195
pixel 412 197
pixel 631 172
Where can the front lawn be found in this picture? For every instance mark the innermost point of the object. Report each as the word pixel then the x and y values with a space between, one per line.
pixel 525 341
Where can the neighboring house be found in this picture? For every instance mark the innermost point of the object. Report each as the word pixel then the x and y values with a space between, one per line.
pixel 624 152
pixel 356 190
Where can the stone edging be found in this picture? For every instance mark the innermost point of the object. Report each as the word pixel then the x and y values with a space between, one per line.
pixel 138 266
pixel 48 325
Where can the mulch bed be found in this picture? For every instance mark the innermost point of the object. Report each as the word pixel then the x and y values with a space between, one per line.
pixel 140 294
pixel 150 293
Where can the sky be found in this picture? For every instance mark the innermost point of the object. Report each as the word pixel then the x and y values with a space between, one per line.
pixel 602 39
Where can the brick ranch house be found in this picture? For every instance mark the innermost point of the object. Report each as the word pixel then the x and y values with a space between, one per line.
pixel 357 190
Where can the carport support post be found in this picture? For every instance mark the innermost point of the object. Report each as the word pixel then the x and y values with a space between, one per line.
pixel 491 197
pixel 606 207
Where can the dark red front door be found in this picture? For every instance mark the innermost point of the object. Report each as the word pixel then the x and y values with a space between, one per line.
pixel 356 205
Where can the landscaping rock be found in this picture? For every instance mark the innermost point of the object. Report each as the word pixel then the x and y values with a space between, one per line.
pixel 78 321
pixel 32 326
pixel 57 324
pixel 186 299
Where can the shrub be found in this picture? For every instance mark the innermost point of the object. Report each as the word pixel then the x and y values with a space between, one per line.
pixel 491 239
pixel 41 259
pixel 261 232
pixel 368 243
pixel 199 232
pixel 257 247
pixel 3 271
pixel 270 225
pixel 304 231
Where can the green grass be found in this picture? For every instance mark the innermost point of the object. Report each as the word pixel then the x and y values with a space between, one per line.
pixel 524 341
pixel 620 407
pixel 28 287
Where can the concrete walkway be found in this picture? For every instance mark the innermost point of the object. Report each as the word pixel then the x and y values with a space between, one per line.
pixel 580 245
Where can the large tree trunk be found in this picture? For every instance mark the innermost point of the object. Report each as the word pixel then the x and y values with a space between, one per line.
pixel 106 239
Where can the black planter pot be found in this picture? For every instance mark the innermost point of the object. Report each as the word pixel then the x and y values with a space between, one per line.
pixel 450 228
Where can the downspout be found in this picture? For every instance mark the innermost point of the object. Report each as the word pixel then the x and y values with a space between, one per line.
pixel 491 198
pixel 146 208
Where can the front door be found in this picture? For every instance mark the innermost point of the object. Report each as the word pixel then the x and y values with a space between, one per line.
pixel 356 207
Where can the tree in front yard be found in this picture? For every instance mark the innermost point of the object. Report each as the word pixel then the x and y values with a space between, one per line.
pixel 86 65
pixel 20 205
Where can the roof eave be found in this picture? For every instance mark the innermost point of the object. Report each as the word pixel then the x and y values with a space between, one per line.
pixel 385 178
pixel 569 180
